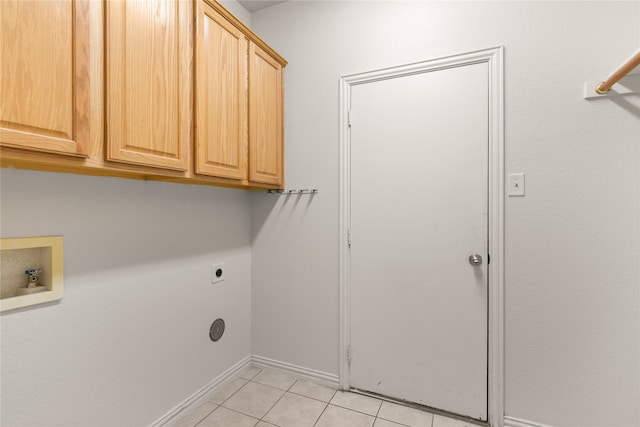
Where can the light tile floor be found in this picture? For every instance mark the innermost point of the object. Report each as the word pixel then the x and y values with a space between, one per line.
pixel 267 398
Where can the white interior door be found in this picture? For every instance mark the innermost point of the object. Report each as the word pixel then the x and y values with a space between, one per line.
pixel 419 206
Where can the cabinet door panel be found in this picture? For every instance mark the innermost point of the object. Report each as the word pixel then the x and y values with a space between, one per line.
pixel 44 78
pixel 221 96
pixel 149 82
pixel 265 118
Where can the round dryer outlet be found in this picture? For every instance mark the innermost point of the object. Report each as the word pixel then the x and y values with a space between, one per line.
pixel 217 330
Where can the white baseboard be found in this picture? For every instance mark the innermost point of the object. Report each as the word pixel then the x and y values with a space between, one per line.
pixel 201 395
pixel 517 422
pixel 318 377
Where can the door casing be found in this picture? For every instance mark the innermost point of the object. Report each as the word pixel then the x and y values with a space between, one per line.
pixel 494 59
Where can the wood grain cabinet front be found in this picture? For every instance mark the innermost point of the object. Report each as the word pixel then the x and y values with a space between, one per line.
pixel 265 118
pixel 149 82
pixel 221 96
pixel 44 76
pixel 169 90
pixel 239 98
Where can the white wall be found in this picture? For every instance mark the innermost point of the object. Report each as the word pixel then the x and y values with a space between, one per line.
pixel 129 341
pixel 572 244
pixel 238 11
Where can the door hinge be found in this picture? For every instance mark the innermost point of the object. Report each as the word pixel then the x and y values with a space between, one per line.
pixel 349 116
pixel 349 355
pixel 349 237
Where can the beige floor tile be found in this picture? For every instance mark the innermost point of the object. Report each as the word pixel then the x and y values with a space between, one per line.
pixel 384 423
pixel 312 390
pixel 356 402
pixel 263 424
pixel 275 379
pixel 405 415
pixel 295 411
pixel 440 421
pixel 254 399
pixel 250 372
pixel 193 417
pixel 223 417
pixel 228 390
pixel 335 416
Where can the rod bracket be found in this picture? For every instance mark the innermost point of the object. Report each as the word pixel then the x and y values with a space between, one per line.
pixel 600 91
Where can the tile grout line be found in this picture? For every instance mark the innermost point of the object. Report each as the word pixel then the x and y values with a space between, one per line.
pixel 219 405
pixel 321 414
pixel 355 410
pixel 288 390
pixel 317 400
pixel 378 411
pixel 326 405
pixel 325 408
pixel 212 411
pixel 375 417
pixel 395 422
pixel 391 421
pixel 235 392
pixel 237 412
pixel 279 399
pixel 313 398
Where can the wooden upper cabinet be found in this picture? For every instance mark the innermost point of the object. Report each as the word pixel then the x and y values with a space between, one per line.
pixel 149 82
pixel 44 76
pixel 177 90
pixel 265 118
pixel 221 96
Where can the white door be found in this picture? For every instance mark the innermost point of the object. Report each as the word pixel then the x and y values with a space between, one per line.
pixel 419 205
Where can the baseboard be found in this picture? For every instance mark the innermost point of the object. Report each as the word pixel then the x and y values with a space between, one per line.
pixel 201 395
pixel 517 422
pixel 318 377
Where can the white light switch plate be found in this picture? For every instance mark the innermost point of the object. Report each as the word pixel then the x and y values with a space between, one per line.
pixel 515 185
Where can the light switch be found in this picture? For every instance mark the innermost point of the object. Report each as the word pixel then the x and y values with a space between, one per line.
pixel 515 185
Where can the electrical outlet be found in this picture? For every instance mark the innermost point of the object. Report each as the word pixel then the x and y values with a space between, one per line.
pixel 217 273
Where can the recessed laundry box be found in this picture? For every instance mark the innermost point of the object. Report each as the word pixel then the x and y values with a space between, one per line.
pixel 31 271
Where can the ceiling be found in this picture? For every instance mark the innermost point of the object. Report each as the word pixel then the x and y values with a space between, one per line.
pixel 254 5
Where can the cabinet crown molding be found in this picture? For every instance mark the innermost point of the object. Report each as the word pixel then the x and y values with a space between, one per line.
pixel 247 31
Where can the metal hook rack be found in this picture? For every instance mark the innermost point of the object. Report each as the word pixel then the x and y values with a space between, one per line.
pixel 303 191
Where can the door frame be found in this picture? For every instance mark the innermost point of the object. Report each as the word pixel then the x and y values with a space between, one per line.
pixel 493 57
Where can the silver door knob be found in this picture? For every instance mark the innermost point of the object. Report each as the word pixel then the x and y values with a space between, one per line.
pixel 475 260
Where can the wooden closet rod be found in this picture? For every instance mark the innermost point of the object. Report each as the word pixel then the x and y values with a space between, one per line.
pixel 633 62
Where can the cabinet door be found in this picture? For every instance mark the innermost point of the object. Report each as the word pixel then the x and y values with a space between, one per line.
pixel 44 78
pixel 265 118
pixel 221 96
pixel 149 82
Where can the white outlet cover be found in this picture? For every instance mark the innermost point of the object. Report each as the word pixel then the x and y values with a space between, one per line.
pixel 214 273
pixel 515 185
